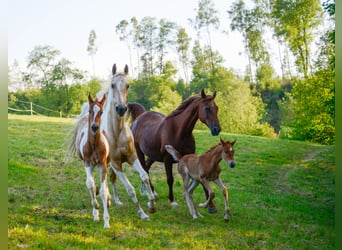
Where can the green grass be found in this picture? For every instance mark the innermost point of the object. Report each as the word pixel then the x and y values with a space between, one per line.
pixel 281 195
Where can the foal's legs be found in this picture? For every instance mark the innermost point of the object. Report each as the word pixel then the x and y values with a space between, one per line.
pixel 190 190
pixel 206 184
pixel 211 206
pixel 92 190
pixel 105 196
pixel 189 187
pixel 219 183
pixel 129 188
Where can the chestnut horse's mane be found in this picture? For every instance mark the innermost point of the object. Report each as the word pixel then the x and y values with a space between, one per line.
pixel 182 106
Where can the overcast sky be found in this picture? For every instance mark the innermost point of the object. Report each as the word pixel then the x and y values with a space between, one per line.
pixel 65 25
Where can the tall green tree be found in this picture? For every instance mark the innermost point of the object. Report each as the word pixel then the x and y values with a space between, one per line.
pixel 165 38
pixel 122 30
pixel 182 47
pixel 250 22
pixel 295 21
pixel 206 19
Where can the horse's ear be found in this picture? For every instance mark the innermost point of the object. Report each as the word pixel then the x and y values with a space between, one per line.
pixel 89 98
pixel 126 69
pixel 203 94
pixel 114 69
pixel 103 100
pixel 214 95
pixel 233 142
pixel 221 141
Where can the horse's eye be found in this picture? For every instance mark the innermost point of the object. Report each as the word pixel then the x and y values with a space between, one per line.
pixel 127 86
pixel 207 109
pixel 113 86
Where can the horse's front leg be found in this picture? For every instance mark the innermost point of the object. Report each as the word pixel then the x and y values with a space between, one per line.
pixel 115 192
pixel 92 190
pixel 211 206
pixel 104 193
pixel 219 183
pixel 206 184
pixel 117 168
pixel 170 180
pixel 146 183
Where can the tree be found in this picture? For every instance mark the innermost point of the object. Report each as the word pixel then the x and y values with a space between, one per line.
pixel 182 47
pixel 41 61
pixel 147 41
pixel 165 39
pixel 92 48
pixel 295 21
pixel 249 22
pixel 124 35
pixel 201 69
pixel 206 18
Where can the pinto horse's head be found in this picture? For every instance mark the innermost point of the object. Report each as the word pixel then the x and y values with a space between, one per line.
pixel 118 90
pixel 95 112
pixel 208 112
pixel 228 152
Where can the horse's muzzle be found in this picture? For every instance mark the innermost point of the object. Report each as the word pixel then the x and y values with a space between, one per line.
pixel 215 130
pixel 231 164
pixel 94 127
pixel 121 110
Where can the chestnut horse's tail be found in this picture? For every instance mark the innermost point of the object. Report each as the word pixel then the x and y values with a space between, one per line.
pixel 134 110
pixel 173 152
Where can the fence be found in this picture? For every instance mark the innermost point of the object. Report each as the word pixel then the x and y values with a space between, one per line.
pixel 31 108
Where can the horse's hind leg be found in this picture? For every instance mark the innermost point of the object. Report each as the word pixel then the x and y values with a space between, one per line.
pixel 170 180
pixel 92 190
pixel 105 196
pixel 190 190
pixel 219 183
pixel 115 192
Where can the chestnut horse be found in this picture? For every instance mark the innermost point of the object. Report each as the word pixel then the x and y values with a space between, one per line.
pixel 203 169
pixel 120 140
pixel 152 131
pixel 91 145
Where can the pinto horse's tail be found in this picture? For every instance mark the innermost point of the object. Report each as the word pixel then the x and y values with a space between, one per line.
pixel 134 109
pixel 173 152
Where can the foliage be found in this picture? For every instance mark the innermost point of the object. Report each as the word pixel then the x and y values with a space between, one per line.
pixel 281 193
pixel 314 108
pixel 295 21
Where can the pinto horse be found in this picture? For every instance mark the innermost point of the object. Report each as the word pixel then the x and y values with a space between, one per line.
pixel 91 145
pixel 203 169
pixel 120 140
pixel 152 131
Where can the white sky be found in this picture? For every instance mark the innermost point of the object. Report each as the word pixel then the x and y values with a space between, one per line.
pixel 66 24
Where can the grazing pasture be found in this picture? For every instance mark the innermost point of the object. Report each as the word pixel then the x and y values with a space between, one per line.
pixel 281 196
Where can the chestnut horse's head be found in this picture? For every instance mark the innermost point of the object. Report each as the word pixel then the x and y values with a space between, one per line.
pixel 95 112
pixel 228 152
pixel 118 90
pixel 207 112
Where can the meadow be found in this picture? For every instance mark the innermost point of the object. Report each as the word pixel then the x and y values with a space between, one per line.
pixel 281 193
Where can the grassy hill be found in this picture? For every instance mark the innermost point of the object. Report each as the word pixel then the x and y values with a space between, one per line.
pixel 281 195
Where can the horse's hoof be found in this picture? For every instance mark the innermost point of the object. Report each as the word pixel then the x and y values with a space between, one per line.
pixel 152 210
pixel 118 203
pixel 212 210
pixel 174 204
